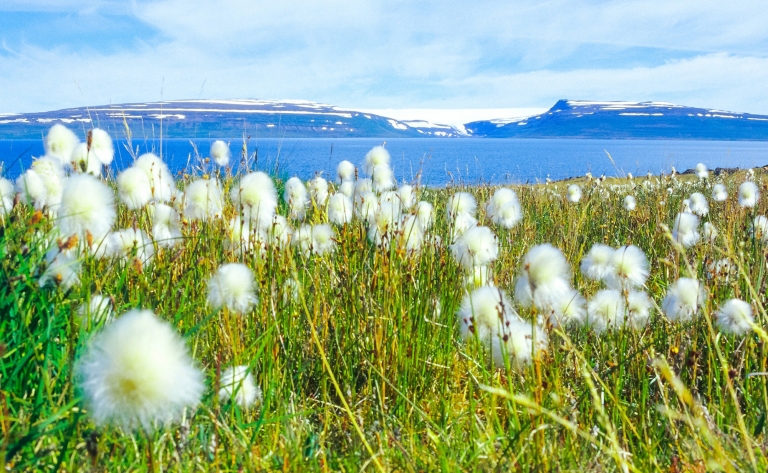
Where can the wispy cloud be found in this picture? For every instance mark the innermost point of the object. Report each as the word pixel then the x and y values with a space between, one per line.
pixel 393 54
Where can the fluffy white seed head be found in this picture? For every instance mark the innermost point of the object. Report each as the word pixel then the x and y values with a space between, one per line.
pixel 485 313
pixel 347 188
pixel 543 264
pixel 367 206
pixel 302 240
pixel 318 190
pixel 243 237
pixel 137 373
pixel 719 193
pixel 638 309
pixel 425 213
pixel 43 184
pixel 686 229
pixel 606 310
pixel 98 309
pixel 574 193
pixel 232 286
pixel 760 228
pixel 62 269
pixel 630 203
pixel 340 209
pixel 345 171
pixel 569 309
pixel 701 171
pixel 322 239
pixel 255 198
pixel 629 268
pixel 363 185
pixel 377 156
pixel 597 265
pixel 131 244
pixel 699 204
pixel 748 194
pixel 709 232
pixel 521 344
pixel 462 222
pixel 31 189
pixel 7 192
pixel 60 142
pixel 87 207
pixel 477 246
pixel 460 203
pixel 83 161
pixel 204 200
pixel 133 188
pixel 220 153
pixel 735 316
pixel 383 178
pixel 160 178
pixel 280 232
pixel 166 226
pixel 101 146
pixel 410 236
pixel 297 198
pixel 407 196
pixel 683 300
pixel 477 277
pixel 237 384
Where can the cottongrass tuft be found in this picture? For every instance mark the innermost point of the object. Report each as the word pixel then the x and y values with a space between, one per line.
pixel 748 194
pixel 521 344
pixel 87 208
pixel 237 384
pixel 568 309
pixel 297 198
pixel 719 193
pixel 7 192
pixel 485 313
pixel 686 229
pixel 735 316
pixel 683 300
pixel 383 178
pixel 701 171
pixel 597 264
pixel 340 209
pixel 460 203
pixel 62 269
pixel 220 153
pixel 345 171
pixel 699 204
pixel 630 203
pixel 504 208
pixel 83 161
pixel 101 146
pixel 131 244
pixel 629 268
pixel 133 188
pixel 232 286
pixel 60 142
pixel 639 308
pixel 377 156
pixel 204 200
pixel 407 196
pixel 425 212
pixel 318 190
pixel 255 198
pixel 478 246
pixel 137 372
pixel 606 310
pixel 160 178
pixel 760 228
pixel 166 226
pixel 322 239
pixel 544 278
pixel 709 232
pixel 574 193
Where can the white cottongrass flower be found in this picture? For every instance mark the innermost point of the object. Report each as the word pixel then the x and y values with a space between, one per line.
pixel 462 222
pixel 232 286
pixel 204 200
pixel 683 300
pixel 460 203
pixel 137 372
pixel 574 193
pixel 243 236
pixel 383 178
pixel 255 198
pixel 521 344
pixel 701 171
pixel 477 246
pixel 340 209
pixel 318 190
pixel 719 193
pixel 630 203
pixel 237 384
pixel 425 212
pixel 699 204
pixel 83 161
pixel 384 223
pixel 686 206
pixel 477 277
pixel 7 193
pixel 709 232
pixel 302 240
pixel 367 206
pixel 544 277
pixel 568 309
pixel 410 236
pixel 597 264
pixel 504 208
pixel 62 269
pixel 748 194
pixel 220 153
pixel 606 310
pixel 43 184
pixel 31 189
pixel 280 232
pixel 297 198
pixel 166 226
pixel 347 188
pixel 87 208
pixel 133 188
pixel 735 316
pixel 686 229
pixel 629 268
pixel 407 196
pixel 638 309
pixel 160 178
pixel 101 146
pixel 363 185
pixel 377 156
pixel 485 313
pixel 760 228
pixel 60 142
pixel 322 239
pixel 98 309
pixel 131 244
pixel 345 171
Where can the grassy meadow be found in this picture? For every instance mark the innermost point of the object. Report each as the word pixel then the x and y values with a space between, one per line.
pixel 364 368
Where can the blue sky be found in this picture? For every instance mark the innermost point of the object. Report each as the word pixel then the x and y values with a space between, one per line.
pixel 384 54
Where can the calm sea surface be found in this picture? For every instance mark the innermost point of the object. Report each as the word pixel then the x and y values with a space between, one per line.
pixel 440 161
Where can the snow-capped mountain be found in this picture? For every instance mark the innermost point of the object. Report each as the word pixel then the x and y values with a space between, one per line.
pixel 221 118
pixel 627 120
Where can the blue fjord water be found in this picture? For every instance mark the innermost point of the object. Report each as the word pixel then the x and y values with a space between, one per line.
pixel 442 160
